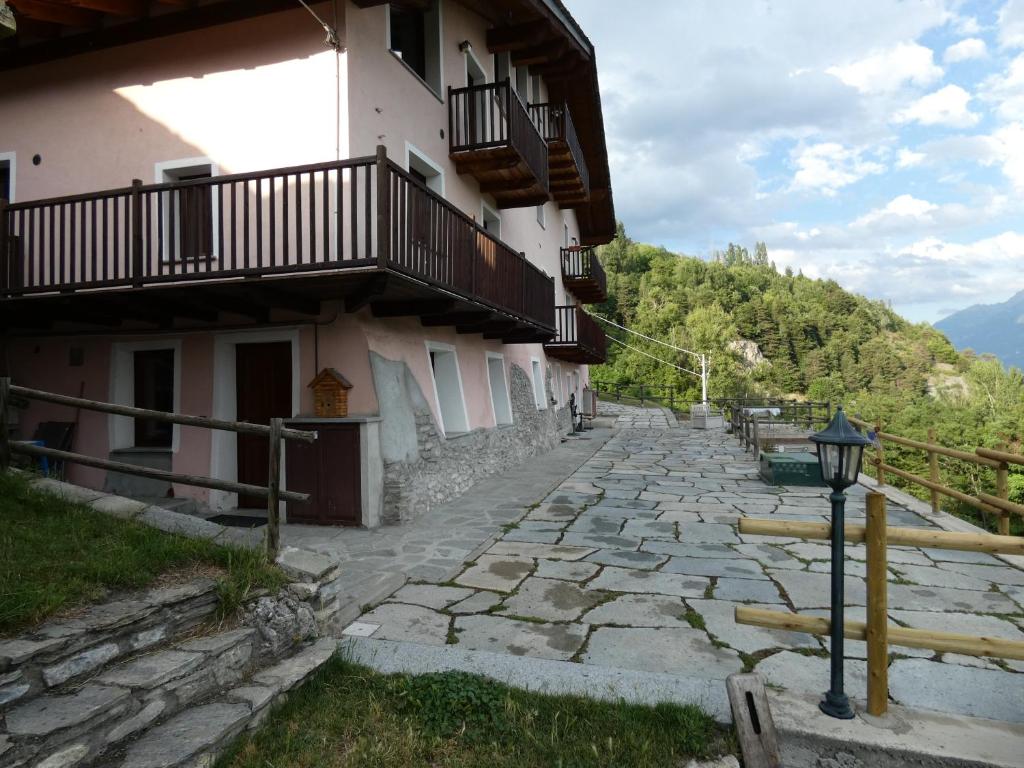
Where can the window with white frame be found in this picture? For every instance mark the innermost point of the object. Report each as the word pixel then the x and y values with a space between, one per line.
pixel 451 403
pixel 145 375
pixel 541 216
pixel 423 169
pixel 414 37
pixel 556 384
pixel 500 400
pixel 539 394
pixel 565 236
pixel 7 176
pixel 490 219
pixel 188 214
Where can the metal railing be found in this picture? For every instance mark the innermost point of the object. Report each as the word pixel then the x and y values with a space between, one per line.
pixel 575 328
pixel 582 263
pixel 555 124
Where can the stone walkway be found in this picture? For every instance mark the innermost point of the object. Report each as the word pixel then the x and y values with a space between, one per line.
pixel 634 562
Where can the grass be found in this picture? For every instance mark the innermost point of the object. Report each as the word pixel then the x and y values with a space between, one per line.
pixel 349 716
pixel 56 554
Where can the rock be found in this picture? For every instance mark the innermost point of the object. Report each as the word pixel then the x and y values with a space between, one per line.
pixel 13 685
pixel 728 761
pixel 66 757
pixel 304 565
pixel 281 623
pixel 256 696
pixel 118 506
pixel 87 661
pixel 48 714
pixel 153 670
pixel 520 638
pixel 748 352
pixel 176 522
pixel 137 722
pixel 18 651
pixel 190 734
pixel 551 600
pixel 147 637
pixel 287 674
pixel 679 651
pixel 218 643
pixel 413 623
pixel 429 595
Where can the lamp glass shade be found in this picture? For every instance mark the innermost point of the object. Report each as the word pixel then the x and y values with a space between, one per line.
pixel 840 451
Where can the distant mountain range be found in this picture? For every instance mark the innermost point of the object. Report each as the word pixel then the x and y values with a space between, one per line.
pixel 994 328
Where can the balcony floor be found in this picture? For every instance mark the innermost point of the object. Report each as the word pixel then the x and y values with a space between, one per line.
pixel 209 303
pixel 503 173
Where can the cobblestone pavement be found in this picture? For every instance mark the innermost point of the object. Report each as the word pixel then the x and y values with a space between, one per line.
pixel 634 562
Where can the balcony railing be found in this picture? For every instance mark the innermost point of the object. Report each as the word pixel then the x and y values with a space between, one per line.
pixel 583 274
pixel 579 339
pixel 492 137
pixel 344 217
pixel 569 175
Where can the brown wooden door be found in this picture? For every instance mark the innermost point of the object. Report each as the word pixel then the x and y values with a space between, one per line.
pixel 263 388
pixel 329 471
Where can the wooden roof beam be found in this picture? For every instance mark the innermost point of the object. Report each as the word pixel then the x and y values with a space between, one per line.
pixel 55 13
pixel 549 50
pixel 518 36
pixel 125 8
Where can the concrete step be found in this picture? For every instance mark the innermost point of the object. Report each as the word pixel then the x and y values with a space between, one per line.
pixel 64 652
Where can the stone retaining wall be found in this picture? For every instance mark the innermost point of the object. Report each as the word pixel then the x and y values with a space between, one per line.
pixel 446 467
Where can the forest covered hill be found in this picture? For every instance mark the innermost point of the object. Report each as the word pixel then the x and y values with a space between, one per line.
pixel 994 328
pixel 815 341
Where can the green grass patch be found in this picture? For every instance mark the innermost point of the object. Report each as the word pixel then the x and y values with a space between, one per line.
pixel 56 554
pixel 349 716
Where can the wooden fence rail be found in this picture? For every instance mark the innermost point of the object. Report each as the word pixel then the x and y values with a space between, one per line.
pixel 748 422
pixel 998 504
pixel 877 631
pixel 275 432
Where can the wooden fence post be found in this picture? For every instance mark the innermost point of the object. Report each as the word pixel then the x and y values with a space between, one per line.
pixel 877 611
pixel 383 206
pixel 1003 492
pixel 933 470
pixel 274 486
pixel 880 452
pixel 5 446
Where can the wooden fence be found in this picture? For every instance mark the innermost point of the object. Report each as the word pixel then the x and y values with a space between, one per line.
pixel 877 631
pixel 998 504
pixel 274 431
pixel 755 426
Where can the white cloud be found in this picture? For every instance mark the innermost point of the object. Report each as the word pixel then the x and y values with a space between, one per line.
pixel 1007 144
pixel 946 106
pixel 1006 90
pixel 828 167
pixel 890 70
pixel 908 158
pixel 1011 24
pixel 904 207
pixel 965 50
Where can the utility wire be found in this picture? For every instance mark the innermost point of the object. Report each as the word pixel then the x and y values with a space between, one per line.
pixel 637 333
pixel 332 34
pixel 666 362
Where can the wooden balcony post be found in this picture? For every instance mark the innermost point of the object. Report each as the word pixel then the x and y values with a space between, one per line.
pixel 522 268
pixel 877 616
pixel 1003 492
pixel 383 207
pixel 933 470
pixel 136 225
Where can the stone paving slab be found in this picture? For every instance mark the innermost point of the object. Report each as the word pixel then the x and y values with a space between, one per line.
pixel 501 574
pixel 551 600
pixel 520 638
pixel 680 651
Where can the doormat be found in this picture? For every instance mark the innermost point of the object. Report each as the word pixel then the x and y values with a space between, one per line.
pixel 238 521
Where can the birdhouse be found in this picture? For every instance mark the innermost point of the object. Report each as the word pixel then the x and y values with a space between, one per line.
pixel 330 394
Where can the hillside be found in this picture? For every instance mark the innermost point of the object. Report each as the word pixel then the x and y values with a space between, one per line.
pixel 994 328
pixel 772 334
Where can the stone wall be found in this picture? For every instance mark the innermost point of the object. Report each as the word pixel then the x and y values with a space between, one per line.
pixel 431 469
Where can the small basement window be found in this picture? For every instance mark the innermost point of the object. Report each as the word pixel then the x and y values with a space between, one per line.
pixel 414 37
pixel 451 403
pixel 500 400
pixel 539 396
pixel 154 389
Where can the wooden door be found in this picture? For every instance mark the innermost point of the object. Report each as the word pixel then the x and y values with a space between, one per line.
pixel 263 388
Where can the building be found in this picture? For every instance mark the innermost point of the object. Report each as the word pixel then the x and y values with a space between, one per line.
pixel 209 204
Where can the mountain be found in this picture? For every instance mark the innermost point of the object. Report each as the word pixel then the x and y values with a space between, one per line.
pixel 994 328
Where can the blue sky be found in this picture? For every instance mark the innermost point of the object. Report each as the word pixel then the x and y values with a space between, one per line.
pixel 879 143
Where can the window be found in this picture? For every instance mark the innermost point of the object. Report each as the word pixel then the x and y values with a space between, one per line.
pixel 540 216
pixel 189 220
pixel 535 95
pixel 451 404
pixel 565 236
pixel 502 66
pixel 522 83
pixel 423 169
pixel 414 37
pixel 153 389
pixel 500 400
pixel 539 395
pixel 7 176
pixel 556 384
pixel 490 219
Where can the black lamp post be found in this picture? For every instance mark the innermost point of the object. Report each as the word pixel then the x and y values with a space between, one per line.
pixel 840 451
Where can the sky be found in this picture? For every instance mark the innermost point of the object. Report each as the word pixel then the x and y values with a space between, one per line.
pixel 879 143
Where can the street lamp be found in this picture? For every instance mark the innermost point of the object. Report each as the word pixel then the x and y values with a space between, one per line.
pixel 840 451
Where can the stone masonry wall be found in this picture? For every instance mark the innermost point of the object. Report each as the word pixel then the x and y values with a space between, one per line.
pixel 447 467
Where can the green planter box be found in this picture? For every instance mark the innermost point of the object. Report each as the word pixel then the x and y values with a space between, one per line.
pixel 791 469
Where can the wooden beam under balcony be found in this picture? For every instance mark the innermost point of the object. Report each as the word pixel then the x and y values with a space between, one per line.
pixel 55 13
pixel 517 36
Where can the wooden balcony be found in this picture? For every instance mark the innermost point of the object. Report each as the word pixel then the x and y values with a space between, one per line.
pixel 583 274
pixel 567 168
pixel 492 138
pixel 579 338
pixel 268 246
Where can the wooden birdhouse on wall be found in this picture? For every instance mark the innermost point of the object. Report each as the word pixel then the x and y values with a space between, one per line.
pixel 330 394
